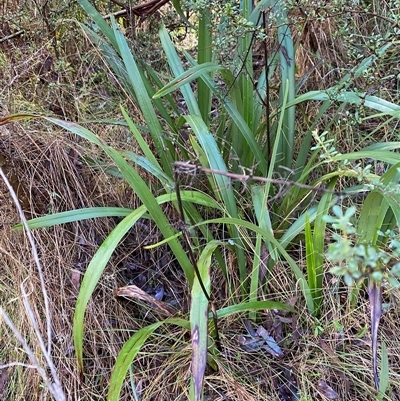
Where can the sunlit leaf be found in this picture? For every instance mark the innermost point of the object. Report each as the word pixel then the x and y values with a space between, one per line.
pixel 75 215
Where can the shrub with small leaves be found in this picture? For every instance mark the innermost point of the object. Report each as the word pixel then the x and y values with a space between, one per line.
pixel 356 261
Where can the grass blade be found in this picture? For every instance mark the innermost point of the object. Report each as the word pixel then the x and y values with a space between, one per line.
pixel 204 55
pixel 384 375
pixel 288 86
pixel 245 57
pixel 75 215
pixel 224 189
pixel 319 242
pixel 310 259
pixel 175 64
pixel 140 187
pixel 251 306
pixel 188 76
pixel 93 274
pixel 140 140
pixel 99 21
pixel 237 118
pixel 144 101
pixel 199 319
pixel 267 236
pixel 129 352
pixel 99 262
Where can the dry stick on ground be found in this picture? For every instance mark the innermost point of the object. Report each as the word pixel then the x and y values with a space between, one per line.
pixel 53 385
pixel 13 35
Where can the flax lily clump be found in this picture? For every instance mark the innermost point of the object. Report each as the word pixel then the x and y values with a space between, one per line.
pixel 249 141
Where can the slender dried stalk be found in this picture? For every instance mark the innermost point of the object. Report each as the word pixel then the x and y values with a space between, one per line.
pixel 53 383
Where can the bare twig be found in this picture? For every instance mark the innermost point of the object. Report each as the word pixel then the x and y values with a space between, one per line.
pixel 53 385
pixel 12 364
pixel 142 11
pixel 35 256
pixel 13 35
pixel 191 168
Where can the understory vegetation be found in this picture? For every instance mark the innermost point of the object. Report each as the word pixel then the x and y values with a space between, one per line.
pixel 201 200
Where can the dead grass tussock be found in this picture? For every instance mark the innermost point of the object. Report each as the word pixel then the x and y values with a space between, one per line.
pixel 16 267
pixel 166 373
pixel 319 55
pixel 55 182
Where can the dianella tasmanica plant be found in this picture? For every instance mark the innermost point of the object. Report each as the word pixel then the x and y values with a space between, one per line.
pixel 241 134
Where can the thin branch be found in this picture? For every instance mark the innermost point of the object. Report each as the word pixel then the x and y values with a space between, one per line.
pixel 190 168
pixel 13 35
pixel 55 388
pixel 142 11
pixel 12 364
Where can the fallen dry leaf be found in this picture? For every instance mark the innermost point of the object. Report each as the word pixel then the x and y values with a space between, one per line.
pixel 14 118
pixel 259 340
pixel 132 291
pixel 327 391
pixel 75 280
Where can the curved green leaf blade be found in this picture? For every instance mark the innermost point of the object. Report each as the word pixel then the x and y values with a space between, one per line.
pixel 175 64
pixel 178 9
pixel 129 352
pixel 153 169
pixel 143 100
pixel 199 318
pixel 371 218
pixel 376 207
pixel 93 274
pixel 140 140
pixel 204 54
pixel 384 374
pixel 251 306
pixel 133 178
pixel 99 21
pixel 215 161
pixel 391 194
pixel 374 154
pixel 318 240
pixel 371 102
pixel 311 262
pixel 102 256
pixel 238 119
pixel 75 215
pixel 224 189
pixel 188 76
